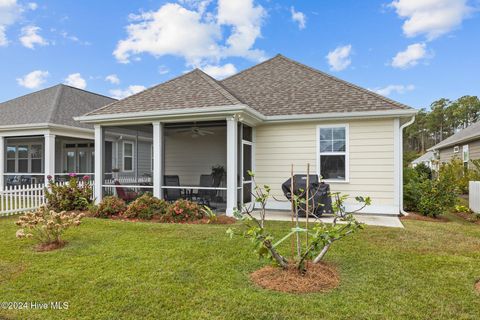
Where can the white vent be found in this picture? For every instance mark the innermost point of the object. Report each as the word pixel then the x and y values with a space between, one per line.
pixel 456 149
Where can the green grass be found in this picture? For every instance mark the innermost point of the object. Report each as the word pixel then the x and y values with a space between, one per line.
pixel 120 270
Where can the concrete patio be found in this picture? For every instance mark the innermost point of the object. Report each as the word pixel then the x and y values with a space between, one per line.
pixel 371 220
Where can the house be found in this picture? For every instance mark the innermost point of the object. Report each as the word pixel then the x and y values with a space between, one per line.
pixel 265 118
pixel 428 159
pixel 465 145
pixel 40 138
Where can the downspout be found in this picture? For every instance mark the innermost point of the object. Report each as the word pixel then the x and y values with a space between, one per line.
pixel 406 124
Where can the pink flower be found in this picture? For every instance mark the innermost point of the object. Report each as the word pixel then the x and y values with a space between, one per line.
pixel 86 178
pixel 72 175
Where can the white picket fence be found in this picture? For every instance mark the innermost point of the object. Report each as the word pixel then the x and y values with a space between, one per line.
pixel 474 196
pixel 22 198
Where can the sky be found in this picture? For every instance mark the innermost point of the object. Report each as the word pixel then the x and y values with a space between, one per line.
pixel 412 51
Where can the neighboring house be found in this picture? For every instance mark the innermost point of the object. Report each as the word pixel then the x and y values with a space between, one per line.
pixel 265 118
pixel 427 159
pixel 464 145
pixel 38 136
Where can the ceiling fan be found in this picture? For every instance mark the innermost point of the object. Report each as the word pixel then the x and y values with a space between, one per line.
pixel 195 132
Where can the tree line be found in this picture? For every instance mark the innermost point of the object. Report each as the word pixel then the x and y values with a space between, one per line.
pixel 444 118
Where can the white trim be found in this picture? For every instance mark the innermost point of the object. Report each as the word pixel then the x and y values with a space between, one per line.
pixel 400 171
pixel 232 158
pixel 456 149
pixel 99 166
pixel 236 109
pixel 346 153
pixel 157 149
pixel 132 156
pixel 397 163
pixel 49 162
pixel 465 148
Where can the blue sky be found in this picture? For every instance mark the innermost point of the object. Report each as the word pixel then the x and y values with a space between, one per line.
pixel 413 51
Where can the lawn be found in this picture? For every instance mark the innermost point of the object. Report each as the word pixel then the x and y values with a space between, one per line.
pixel 123 270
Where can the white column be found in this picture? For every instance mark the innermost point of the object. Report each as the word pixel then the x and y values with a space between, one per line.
pixel 232 150
pixel 99 159
pixel 2 163
pixel 49 156
pixel 157 159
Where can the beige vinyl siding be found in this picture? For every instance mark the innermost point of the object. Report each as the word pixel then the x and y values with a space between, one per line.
pixel 447 154
pixel 474 148
pixel 371 156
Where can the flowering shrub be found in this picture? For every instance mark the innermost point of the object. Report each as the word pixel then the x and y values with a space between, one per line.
pixel 110 206
pixel 146 207
pixel 46 226
pixel 183 211
pixel 71 196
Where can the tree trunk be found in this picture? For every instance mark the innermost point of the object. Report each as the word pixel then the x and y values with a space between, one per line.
pixel 322 253
pixel 280 259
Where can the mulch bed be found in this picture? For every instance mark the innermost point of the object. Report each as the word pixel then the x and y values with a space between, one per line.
pixel 320 277
pixel 42 247
pixel 470 217
pixel 416 216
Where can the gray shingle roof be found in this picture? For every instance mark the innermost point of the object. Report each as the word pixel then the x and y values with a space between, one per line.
pixel 427 156
pixel 194 89
pixel 469 133
pixel 281 86
pixel 278 86
pixel 54 105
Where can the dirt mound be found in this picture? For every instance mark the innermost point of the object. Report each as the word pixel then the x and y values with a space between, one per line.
pixel 477 286
pixel 42 247
pixel 320 277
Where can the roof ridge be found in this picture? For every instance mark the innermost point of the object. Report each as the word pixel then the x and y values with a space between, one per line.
pixel 354 86
pixel 219 87
pixel 86 91
pixel 136 94
pixel 56 104
pixel 251 67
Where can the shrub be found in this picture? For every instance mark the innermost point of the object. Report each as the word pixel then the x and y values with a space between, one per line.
pixel 438 196
pixel 110 206
pixel 46 226
pixel 71 196
pixel 412 180
pixel 146 207
pixel 183 211
pixel 423 170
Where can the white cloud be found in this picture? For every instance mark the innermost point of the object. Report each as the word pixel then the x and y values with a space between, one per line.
pixel 220 72
pixel 432 18
pixel 339 59
pixel 112 78
pixel 410 56
pixel 33 80
pixel 30 37
pixel 123 93
pixel 299 17
pixel 76 80
pixel 10 12
pixel 32 6
pixel 163 69
pixel 195 33
pixel 397 88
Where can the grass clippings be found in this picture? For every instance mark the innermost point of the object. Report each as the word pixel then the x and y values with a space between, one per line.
pixel 320 277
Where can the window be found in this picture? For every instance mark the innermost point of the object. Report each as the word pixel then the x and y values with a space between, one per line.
pixel 465 154
pixel 456 149
pixel 25 158
pixel 332 161
pixel 127 156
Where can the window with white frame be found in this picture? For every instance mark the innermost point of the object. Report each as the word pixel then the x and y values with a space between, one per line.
pixel 333 152
pixel 24 158
pixel 465 154
pixel 127 156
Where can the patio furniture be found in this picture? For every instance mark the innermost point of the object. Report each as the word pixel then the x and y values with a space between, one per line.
pixel 204 196
pixel 174 193
pixel 126 196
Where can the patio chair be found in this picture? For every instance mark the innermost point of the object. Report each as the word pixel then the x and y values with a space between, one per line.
pixel 172 194
pixel 126 196
pixel 205 196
